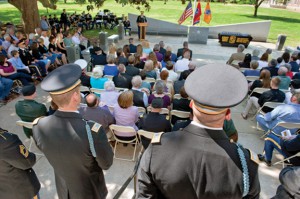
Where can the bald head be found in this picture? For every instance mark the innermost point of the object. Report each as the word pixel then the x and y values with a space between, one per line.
pixel 91 100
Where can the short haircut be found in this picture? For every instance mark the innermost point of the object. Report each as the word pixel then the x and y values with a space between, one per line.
pixel 143 75
pixel 288 66
pixel 276 81
pixel 121 68
pixel 255 52
pixel 185 44
pixel 125 99
pixel 91 100
pixel 269 50
pixel 164 75
pixel 161 44
pixel 241 47
pixel 109 85
pixel 110 59
pixel 297 96
pixel 131 59
pixel 192 65
pixel 282 70
pixel 254 64
pixel 183 93
pixel 159 87
pixel 14 52
pixel 136 81
pixel 148 65
pixel 65 98
pixel 169 65
pixel 156 47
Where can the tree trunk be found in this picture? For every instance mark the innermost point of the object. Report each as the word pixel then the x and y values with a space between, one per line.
pixel 29 14
pixel 65 1
pixel 255 10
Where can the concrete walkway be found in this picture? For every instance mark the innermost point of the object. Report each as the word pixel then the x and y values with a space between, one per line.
pixel 249 137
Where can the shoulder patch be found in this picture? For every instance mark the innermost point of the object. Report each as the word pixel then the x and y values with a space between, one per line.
pixel 23 151
pixel 96 127
pixel 157 137
pixel 36 120
pixel 253 156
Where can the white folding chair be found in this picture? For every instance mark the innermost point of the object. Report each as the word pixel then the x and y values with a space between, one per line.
pixel 141 110
pixel 84 89
pixel 252 78
pixel 177 96
pixel 258 90
pixel 286 125
pixel 180 114
pixel 28 125
pixel 110 77
pixel 150 80
pixel 125 129
pixel 269 105
pixel 146 134
pixel 286 159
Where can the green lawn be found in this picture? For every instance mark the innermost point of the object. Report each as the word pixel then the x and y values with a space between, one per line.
pixel 283 21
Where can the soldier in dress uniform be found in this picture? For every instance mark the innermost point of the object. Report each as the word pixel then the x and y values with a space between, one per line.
pixel 199 161
pixel 17 178
pixel 77 149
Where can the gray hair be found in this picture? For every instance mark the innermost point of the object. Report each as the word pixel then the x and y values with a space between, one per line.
pixel 5 36
pixel 97 72
pixel 148 65
pixel 192 65
pixel 185 44
pixel 255 52
pixel 241 47
pixel 136 81
pixel 156 47
pixel 282 70
pixel 161 44
pixel 288 66
pixel 269 50
pixel 159 86
pixel 169 49
pixel 109 85
pixel 110 58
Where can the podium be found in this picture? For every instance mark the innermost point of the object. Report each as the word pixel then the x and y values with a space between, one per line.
pixel 142 30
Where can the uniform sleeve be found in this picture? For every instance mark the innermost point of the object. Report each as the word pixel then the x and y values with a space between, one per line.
pixel 103 149
pixel 16 154
pixel 147 188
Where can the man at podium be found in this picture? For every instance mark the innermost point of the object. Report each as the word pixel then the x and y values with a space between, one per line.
pixel 140 19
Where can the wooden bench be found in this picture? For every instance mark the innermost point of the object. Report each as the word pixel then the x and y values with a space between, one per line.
pixel 113 39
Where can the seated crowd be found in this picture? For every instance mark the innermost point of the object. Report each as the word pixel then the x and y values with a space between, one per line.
pixel 138 86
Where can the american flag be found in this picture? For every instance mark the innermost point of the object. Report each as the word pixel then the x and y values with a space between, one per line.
pixel 186 13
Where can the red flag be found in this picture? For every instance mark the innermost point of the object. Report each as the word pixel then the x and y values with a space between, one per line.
pixel 186 13
pixel 197 14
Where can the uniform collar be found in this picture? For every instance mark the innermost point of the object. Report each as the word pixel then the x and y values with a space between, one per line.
pixel 204 132
pixel 73 114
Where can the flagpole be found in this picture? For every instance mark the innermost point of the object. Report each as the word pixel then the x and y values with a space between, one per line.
pixel 194 12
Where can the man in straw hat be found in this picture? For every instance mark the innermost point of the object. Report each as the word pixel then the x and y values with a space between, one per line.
pixel 200 161
pixel 77 149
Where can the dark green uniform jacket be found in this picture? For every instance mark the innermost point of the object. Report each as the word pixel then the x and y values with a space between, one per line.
pixel 63 138
pixel 195 163
pixel 17 179
pixel 29 110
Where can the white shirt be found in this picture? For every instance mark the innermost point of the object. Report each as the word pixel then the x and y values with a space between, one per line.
pixel 182 65
pixel 205 127
pixel 46 41
pixel 172 75
pixel 261 64
pixel 76 40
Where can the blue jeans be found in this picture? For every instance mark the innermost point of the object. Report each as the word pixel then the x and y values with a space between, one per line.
pixel 5 86
pixel 41 64
pixel 269 125
pixel 272 142
pixel 24 78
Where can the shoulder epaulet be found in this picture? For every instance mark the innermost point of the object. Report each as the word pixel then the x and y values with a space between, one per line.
pixel 36 120
pixel 157 137
pixel 253 156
